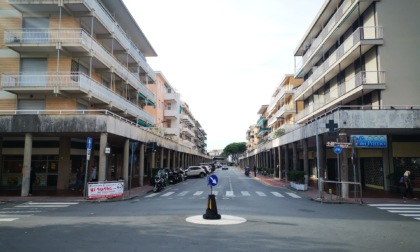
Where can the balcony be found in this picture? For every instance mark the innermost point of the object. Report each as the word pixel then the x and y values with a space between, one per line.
pixel 341 19
pixel 285 92
pixel 364 81
pixel 71 40
pixel 187 120
pixel 365 37
pixel 281 113
pixel 188 132
pixel 172 97
pixel 171 113
pixel 95 10
pixel 71 85
pixel 172 131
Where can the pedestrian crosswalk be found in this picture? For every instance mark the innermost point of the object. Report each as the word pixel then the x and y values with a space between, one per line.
pixel 407 210
pixel 226 194
pixel 27 209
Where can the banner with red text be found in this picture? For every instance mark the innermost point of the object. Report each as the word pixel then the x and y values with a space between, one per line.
pixel 105 190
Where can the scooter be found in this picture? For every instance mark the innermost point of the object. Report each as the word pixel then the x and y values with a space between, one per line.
pixel 159 184
pixel 247 171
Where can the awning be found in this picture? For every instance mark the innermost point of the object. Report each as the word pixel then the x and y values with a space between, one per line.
pixel 143 123
pixel 142 96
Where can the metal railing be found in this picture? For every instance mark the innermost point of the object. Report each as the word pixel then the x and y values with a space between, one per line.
pixel 361 78
pixel 76 36
pixel 361 33
pixel 77 81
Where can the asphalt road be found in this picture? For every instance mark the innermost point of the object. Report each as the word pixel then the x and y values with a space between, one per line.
pixel 277 219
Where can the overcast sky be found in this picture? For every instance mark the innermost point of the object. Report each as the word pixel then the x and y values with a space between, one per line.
pixel 225 57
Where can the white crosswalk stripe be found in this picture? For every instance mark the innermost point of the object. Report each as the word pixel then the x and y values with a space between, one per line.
pixel 293 195
pixel 261 194
pixel 198 193
pixel 245 193
pixel 230 194
pixel 224 195
pixel 28 209
pixel 277 194
pixel 167 194
pixel 406 210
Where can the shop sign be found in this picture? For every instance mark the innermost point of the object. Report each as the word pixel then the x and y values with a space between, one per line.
pixel 369 141
pixel 105 190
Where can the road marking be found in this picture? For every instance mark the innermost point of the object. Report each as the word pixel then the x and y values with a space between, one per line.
pixel 277 194
pixel 183 193
pixel 8 219
pixel 151 195
pixel 41 206
pixel 230 194
pixel 293 195
pixel 198 193
pixel 167 194
pixel 261 194
pixel 406 210
pixel 245 193
pixel 52 203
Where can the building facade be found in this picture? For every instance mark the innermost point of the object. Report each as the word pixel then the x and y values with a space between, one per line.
pixel 70 70
pixel 359 65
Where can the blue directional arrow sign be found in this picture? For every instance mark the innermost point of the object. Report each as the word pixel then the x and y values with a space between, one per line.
pixel 338 149
pixel 213 180
pixel 89 143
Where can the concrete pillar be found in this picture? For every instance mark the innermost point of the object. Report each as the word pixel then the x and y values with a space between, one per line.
pixel 162 155
pixel 322 157
pixel 168 159
pixel 305 159
pixel 344 167
pixel 102 157
pixel 125 162
pixel 141 164
pixel 279 161
pixel 63 164
pixel 295 156
pixel 27 159
pixel 174 160
pixel 286 160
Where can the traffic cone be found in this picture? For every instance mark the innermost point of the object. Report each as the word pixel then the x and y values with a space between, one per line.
pixel 211 212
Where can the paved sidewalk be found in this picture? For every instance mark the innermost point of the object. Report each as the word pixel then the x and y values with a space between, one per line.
pixel 371 196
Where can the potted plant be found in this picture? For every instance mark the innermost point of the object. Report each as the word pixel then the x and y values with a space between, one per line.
pixel 297 180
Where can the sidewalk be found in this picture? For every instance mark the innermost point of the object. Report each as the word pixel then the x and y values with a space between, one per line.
pixel 370 196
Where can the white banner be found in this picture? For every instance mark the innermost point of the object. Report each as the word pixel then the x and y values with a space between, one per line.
pixel 105 190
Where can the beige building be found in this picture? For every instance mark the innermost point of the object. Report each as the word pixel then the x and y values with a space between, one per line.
pixel 70 70
pixel 359 64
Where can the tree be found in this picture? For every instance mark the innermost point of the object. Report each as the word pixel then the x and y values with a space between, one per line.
pixel 233 150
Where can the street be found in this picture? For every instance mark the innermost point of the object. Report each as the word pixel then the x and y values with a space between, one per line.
pixel 277 219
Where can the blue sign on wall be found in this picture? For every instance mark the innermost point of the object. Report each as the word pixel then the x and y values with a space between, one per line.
pixel 369 141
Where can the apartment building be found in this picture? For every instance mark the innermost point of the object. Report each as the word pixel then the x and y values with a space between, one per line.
pixel 359 64
pixel 72 70
pixel 282 108
pixel 252 140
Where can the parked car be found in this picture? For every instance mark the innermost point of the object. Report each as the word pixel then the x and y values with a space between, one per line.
pixel 225 167
pixel 194 171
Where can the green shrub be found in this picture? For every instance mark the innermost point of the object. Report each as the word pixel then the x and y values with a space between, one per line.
pixel 296 176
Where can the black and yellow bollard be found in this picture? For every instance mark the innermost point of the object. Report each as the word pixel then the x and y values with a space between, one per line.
pixel 211 212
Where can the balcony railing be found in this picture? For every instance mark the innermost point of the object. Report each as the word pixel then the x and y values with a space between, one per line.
pixel 280 94
pixel 360 34
pixel 73 81
pixel 106 19
pixel 313 47
pixel 75 36
pixel 361 78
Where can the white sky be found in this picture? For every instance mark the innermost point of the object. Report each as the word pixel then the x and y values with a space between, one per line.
pixel 225 57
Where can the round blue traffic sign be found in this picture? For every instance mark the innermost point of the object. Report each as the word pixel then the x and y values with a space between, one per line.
pixel 338 149
pixel 213 180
